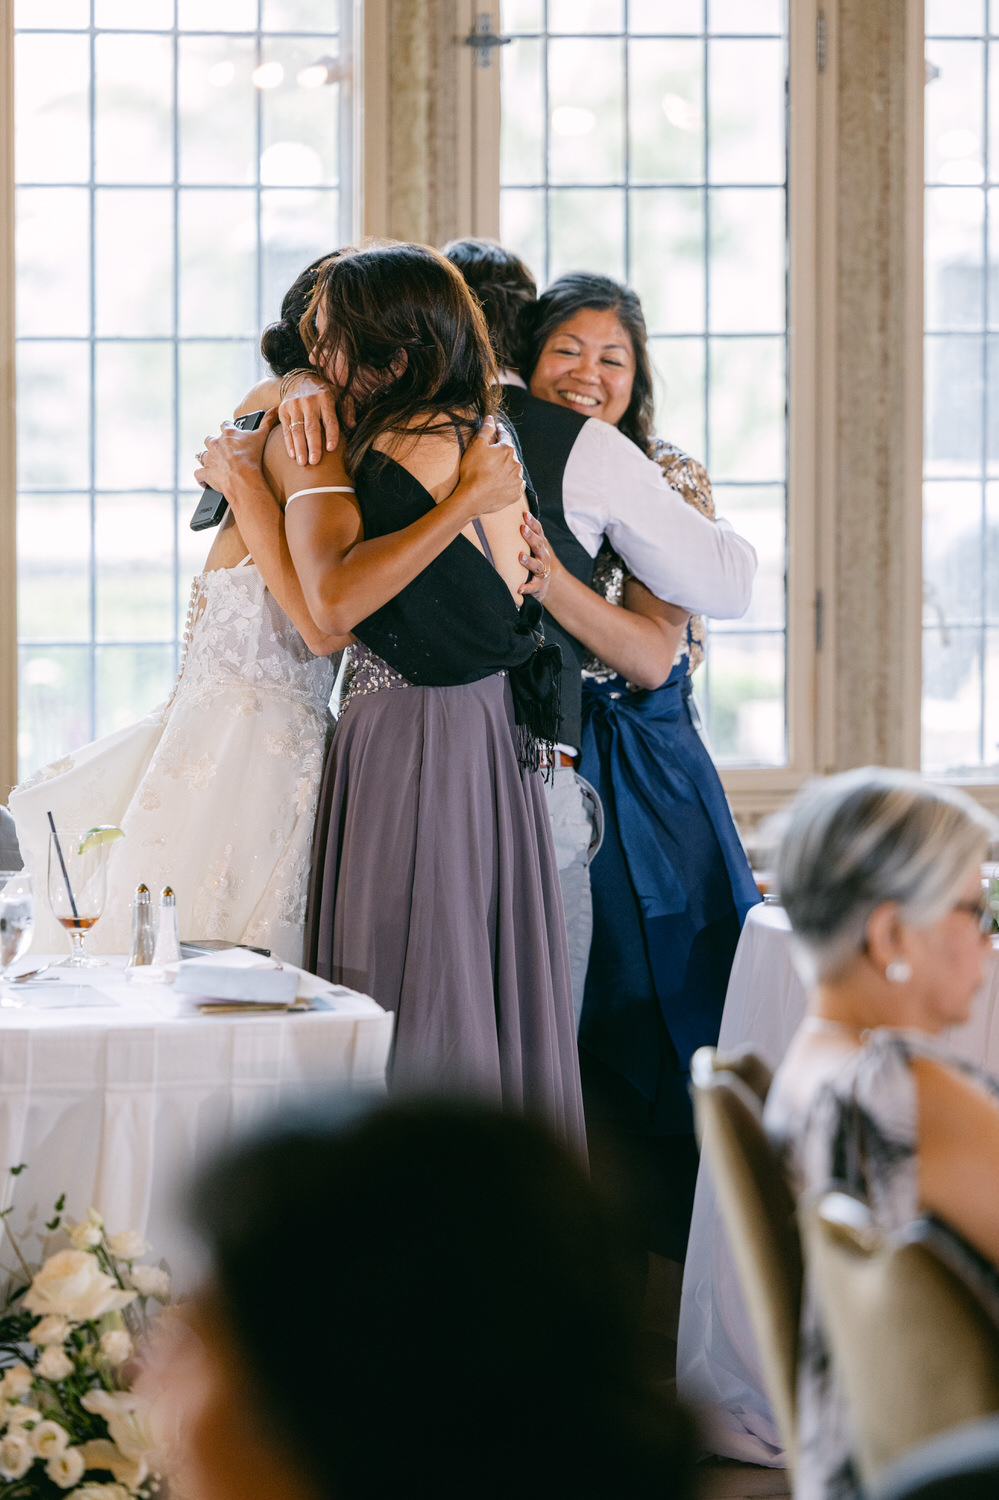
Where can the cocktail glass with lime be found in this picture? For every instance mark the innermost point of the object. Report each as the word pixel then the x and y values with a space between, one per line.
pixel 77 885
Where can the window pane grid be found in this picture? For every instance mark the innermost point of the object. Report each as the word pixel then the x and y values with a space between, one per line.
pixel 960 715
pixel 638 168
pixel 109 408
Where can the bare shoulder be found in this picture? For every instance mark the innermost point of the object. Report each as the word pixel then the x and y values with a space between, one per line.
pixel 952 1102
pixel 264 395
pixel 286 477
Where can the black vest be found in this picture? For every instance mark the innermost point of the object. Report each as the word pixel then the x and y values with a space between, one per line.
pixel 547 433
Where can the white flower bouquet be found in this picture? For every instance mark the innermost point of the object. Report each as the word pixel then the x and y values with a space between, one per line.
pixel 69 1424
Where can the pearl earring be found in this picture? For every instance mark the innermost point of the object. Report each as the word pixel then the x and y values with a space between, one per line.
pixel 898 971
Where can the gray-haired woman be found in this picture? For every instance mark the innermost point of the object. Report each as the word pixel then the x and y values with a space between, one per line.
pixel 880 875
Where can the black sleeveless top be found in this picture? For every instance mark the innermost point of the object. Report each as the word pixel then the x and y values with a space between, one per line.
pixel 547 433
pixel 456 622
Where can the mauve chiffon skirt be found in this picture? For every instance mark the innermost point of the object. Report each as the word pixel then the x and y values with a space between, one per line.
pixel 435 891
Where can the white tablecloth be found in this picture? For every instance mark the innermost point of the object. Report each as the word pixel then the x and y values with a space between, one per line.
pixel 115 1104
pixel 718 1367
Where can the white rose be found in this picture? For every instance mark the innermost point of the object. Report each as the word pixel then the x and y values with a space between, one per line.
pixel 16 1382
pixel 127 1418
pixel 128 1245
pixel 16 1456
pixel 50 1330
pixel 85 1236
pixel 151 1281
pixel 72 1283
pixel 116 1346
pixel 100 1454
pixel 54 1364
pixel 48 1439
pixel 18 1416
pixel 65 1469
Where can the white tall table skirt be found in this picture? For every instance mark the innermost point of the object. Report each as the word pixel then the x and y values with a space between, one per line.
pixel 718 1369
pixel 115 1105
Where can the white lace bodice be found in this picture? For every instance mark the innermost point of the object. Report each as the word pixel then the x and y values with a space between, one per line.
pixel 237 633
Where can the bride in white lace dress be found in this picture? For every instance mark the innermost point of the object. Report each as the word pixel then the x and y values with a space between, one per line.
pixel 216 789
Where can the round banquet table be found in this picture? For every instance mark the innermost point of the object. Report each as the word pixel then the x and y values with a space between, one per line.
pixel 113 1101
pixel 718 1369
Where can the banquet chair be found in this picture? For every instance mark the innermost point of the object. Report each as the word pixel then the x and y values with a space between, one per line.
pixel 757 1210
pixel 912 1340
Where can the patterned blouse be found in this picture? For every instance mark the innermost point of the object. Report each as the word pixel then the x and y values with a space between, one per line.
pixel 858 1134
pixel 690 479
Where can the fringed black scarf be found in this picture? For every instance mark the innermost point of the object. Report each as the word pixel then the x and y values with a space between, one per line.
pixel 457 621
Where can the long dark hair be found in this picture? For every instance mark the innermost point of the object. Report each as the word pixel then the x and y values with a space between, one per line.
pixel 281 342
pixel 401 302
pixel 569 295
pixel 504 287
pixel 457 1315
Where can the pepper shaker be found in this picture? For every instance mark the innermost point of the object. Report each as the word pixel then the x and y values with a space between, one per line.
pixel 143 935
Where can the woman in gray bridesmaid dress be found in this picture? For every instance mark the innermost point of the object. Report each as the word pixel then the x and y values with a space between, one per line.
pixel 434 886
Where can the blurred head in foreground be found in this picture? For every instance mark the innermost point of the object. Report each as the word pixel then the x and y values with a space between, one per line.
pixel 880 875
pixel 421 1299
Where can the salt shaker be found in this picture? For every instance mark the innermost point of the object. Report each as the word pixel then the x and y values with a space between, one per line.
pixel 143 936
pixel 167 936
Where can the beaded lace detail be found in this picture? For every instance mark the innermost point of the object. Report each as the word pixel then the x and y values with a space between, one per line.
pixel 237 635
pixel 689 479
pixel 367 673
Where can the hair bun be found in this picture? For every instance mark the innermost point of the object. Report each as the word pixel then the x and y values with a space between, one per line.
pixel 282 347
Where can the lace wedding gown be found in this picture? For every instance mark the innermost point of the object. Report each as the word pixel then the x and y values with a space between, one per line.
pixel 215 790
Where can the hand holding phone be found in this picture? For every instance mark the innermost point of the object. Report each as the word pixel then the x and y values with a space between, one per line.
pixel 212 506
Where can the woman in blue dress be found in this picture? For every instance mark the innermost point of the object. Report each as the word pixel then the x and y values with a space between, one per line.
pixel 671 882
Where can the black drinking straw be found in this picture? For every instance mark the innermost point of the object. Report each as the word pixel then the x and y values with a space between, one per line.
pixel 65 872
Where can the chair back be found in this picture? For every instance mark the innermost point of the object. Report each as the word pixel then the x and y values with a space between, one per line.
pixel 960 1465
pixel 758 1212
pixel 913 1347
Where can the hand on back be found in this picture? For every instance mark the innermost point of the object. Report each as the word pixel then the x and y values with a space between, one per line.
pixel 490 475
pixel 309 421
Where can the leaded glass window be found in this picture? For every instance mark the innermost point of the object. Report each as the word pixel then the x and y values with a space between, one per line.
pixel 178 162
pixel 960 716
pixel 647 139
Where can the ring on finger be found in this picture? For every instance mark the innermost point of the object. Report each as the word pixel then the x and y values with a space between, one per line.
pixel 296 424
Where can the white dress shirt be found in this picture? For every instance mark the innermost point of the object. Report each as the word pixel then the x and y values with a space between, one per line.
pixel 611 489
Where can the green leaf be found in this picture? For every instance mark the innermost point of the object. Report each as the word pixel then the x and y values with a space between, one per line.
pixel 16 1171
pixel 60 1203
pixel 53 1223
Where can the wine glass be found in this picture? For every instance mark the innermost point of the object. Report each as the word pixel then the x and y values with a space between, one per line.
pixel 78 886
pixel 17 917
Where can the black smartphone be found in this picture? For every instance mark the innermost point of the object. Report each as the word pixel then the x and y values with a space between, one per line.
pixel 212 506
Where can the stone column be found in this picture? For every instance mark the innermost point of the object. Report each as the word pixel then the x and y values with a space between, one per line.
pixel 873 650
pixel 440 118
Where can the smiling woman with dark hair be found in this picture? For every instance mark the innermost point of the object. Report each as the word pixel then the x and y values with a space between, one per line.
pixel 671 882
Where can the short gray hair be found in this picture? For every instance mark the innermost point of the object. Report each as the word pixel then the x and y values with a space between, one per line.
pixel 865 837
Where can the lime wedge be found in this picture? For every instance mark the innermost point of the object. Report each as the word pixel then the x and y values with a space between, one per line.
pixel 94 837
